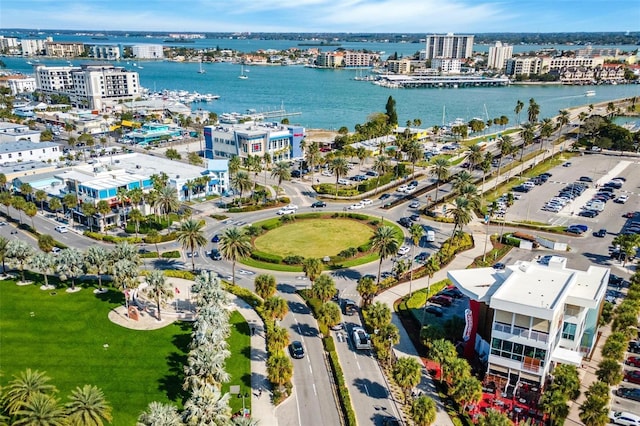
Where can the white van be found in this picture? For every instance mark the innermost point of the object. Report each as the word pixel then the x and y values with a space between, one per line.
pixel 62 229
pixel 431 236
pixel 623 418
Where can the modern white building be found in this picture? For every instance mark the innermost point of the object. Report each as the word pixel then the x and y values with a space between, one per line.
pixel 524 66
pixel 104 51
pixel 14 132
pixel 9 45
pixel 33 47
pixel 446 65
pixel 449 46
pixel 528 317
pixel 89 86
pixel 21 84
pixel 498 55
pixel 147 51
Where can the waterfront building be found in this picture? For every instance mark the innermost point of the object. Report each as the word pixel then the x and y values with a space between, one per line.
pixel 550 64
pixel 446 65
pixel 63 49
pixel 354 59
pixel 498 55
pixel 152 132
pixel 89 86
pixel 26 150
pixel 330 59
pixel 153 107
pixel 14 132
pixel 9 45
pixel 83 121
pixel 449 46
pixel 33 47
pixel 528 317
pixel 147 51
pixel 282 142
pixel 590 52
pixel 104 51
pixel 523 66
pixel 377 146
pixel 18 84
pixel 401 66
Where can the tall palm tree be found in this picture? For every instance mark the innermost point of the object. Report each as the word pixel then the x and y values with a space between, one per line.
pixel 562 120
pixel 485 166
pixel 533 111
pixel 242 182
pixel 407 373
pixel 234 165
pixel 432 265
pixel 103 208
pixel 312 157
pixel 518 109
pixel 385 243
pixel 24 386
pixel 3 252
pixel 416 231
pixel 593 412
pixel 440 171
pixel 265 286
pixel 461 179
pixel 167 200
pixel 207 406
pixel 415 154
pixel 40 197
pixel 88 407
pixel 234 245
pixel 191 236
pixel 54 204
pixel 546 130
pixel 42 410
pixel 97 261
pixel 159 414
pixel 554 403
pixel 279 369
pixel 123 198
pixel 136 216
pixel 461 213
pixel 158 288
pixel 43 263
pixel 528 134
pixel 70 264
pixel 466 390
pixel 281 172
pixel 20 253
pixel 339 167
pixel 475 156
pixel 378 315
pixel 380 166
pixel 324 288
pixel 506 145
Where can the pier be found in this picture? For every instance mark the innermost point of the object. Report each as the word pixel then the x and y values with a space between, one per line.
pixel 408 81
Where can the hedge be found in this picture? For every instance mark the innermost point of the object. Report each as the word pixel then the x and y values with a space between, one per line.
pixel 174 254
pixel 112 238
pixel 330 188
pixel 150 255
pixel 370 184
pixel 338 376
pixel 266 257
pixel 185 275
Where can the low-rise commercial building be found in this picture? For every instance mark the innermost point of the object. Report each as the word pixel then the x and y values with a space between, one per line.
pixel 528 317
pixel 446 65
pixel 14 132
pixel 25 150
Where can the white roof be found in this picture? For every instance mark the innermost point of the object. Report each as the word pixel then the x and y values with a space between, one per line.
pixel 566 356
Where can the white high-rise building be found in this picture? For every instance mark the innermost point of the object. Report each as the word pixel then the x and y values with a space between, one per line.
pixel 147 51
pixel 32 47
pixel 498 55
pixel 449 46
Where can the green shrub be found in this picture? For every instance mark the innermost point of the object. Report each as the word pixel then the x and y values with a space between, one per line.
pixel 111 238
pixel 174 254
pixel 347 253
pixel 271 225
pixel 218 216
pixel 266 257
pixel 150 255
pixel 254 231
pixel 186 275
pixel 293 260
pixel 243 293
pixel 365 247
pixel 329 344
pixel 343 392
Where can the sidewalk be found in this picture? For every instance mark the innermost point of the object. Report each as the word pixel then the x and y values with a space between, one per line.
pixel 405 347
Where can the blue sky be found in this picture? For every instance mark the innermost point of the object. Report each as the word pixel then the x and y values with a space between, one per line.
pixel 397 16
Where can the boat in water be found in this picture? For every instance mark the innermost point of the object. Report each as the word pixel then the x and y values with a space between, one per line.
pixel 242 75
pixel 201 70
pixel 590 93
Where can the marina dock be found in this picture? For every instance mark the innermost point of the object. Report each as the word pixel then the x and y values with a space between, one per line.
pixel 408 81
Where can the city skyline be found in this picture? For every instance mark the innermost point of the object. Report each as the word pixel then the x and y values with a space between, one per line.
pixel 369 16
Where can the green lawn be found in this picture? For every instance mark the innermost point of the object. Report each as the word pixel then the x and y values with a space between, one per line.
pixel 65 335
pixel 239 363
pixel 314 237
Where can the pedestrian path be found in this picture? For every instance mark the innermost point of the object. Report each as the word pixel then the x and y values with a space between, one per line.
pixel 405 347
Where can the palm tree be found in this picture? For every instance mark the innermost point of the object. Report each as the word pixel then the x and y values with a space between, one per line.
pixel 191 236
pixel 42 410
pixel 43 263
pixel 329 314
pixel 475 156
pixel 339 167
pixel 466 390
pixel 88 407
pixel 278 340
pixel 380 166
pixel 460 179
pixel 518 109
pixel 234 165
pixel 385 243
pixel 533 111
pixel 609 371
pixel 6 199
pixel 54 204
pixel 276 307
pixel 19 203
pixel 440 171
pixel 440 351
pixel 377 315
pixel 234 245
pixel 415 154
pixel 242 182
pixel 455 368
pixel 88 210
pixel 506 145
pixel 40 197
pixel 416 231
pixel 159 414
pixel 167 200
pixel 281 172
pixel 3 252
pixel 103 208
pixel 461 213
pixel 265 285
pixel 159 288
pixel 19 252
pixel 312 157
pixel 554 403
pixel 367 288
pixel 431 266
pixel 123 198
pixel 546 130
pixel 423 411
pixel 407 373
pixel 593 412
pixel 207 406
pixel 494 418
pixel 97 260
pixel 324 288
pixel 312 268
pixel 279 369
pixel 70 264
pixel 24 387
pixel 136 216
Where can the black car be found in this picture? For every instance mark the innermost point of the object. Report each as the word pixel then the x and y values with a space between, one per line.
pixel 384 196
pixel 390 421
pixel 600 233
pixel 434 310
pixel 414 217
pixel 634 347
pixel 296 350
pixel 451 292
pixel 615 280
pixel 499 266
pixel 318 204
pixel 585 179
pixel 216 255
pixel 588 213
pixel 405 221
pixel 296 173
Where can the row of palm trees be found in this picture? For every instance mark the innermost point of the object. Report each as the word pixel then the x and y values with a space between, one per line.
pixel 30 399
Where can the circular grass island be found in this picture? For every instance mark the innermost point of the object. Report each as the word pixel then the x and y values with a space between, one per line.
pixel 345 238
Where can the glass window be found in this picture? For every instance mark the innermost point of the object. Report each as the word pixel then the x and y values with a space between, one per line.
pixel 507 346
pixel 518 348
pixel 569 331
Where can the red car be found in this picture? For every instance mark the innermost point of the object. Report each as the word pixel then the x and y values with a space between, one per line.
pixel 441 300
pixel 633 361
pixel 632 377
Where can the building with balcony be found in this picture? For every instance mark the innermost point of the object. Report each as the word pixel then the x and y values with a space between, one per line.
pixel 147 51
pixel 9 45
pixel 524 66
pixel 449 46
pixel 282 142
pixel 401 66
pixel 33 47
pixel 498 55
pixel 446 65
pixel 360 59
pixel 105 51
pixel 528 317
pixel 19 84
pixel 330 59
pixel 63 49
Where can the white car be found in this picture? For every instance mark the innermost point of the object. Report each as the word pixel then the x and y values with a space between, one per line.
pixel 343 181
pixel 402 188
pixel 366 202
pixel 403 250
pixel 61 229
pixel 56 250
pixel 621 199
pixel 414 205
pixel 410 189
pixel 356 206
pixel 327 173
pixel 291 207
pixel 285 211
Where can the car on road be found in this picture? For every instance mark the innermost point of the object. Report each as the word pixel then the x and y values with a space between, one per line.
pixel 327 173
pixel 245 272
pixel 318 204
pixel 349 307
pixel 421 258
pixel 621 199
pixel 402 188
pixel 215 254
pixel 366 202
pixel 215 238
pixel 441 300
pixel 296 349
pixel 3 223
pixel 61 229
pixel 356 206
pixel 361 339
pixel 56 250
pixel 384 196
pixel 192 254
pixel 585 179
pixel 632 377
pixel 403 250
pixel 574 230
pixel 343 181
pixel 633 361
pixel 434 310
pixel 600 233
pixel 623 418
pixel 390 421
pixel 284 211
pixel 567 164
pixel 405 221
pixel 415 217
pixel 629 393
pixel 414 205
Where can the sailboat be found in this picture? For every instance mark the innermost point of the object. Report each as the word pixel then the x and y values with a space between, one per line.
pixel 242 75
pixel 201 70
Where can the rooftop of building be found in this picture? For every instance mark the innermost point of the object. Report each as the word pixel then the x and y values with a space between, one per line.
pixel 149 165
pixel 24 145
pixel 9 169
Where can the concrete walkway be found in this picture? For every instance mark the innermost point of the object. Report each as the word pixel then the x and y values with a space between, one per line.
pixel 405 347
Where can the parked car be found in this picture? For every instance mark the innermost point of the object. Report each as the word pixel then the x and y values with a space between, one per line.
pixel 318 204
pixel 441 300
pixel 434 310
pixel 623 418
pixel 371 173
pixel 343 181
pixel 574 230
pixel 621 199
pixel 61 229
pixel 632 377
pixel 403 250
pixel 634 346
pixel 356 206
pixel 629 393
pixel 384 196
pixel 589 213
pixel 192 254
pixel 567 164
pixel 296 349
pixel 633 361
pixel 499 266
pixel 585 179
pixel 601 233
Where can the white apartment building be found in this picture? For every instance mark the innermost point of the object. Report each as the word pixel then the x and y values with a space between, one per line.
pixel 330 59
pixel 21 84
pixel 551 64
pixel 33 47
pixel 498 55
pixel 147 51
pixel 9 45
pixel 524 66
pixel 104 51
pixel 63 49
pixel 527 318
pixel 446 65
pixel 14 132
pixel 89 86
pixel 449 46
pixel 25 150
